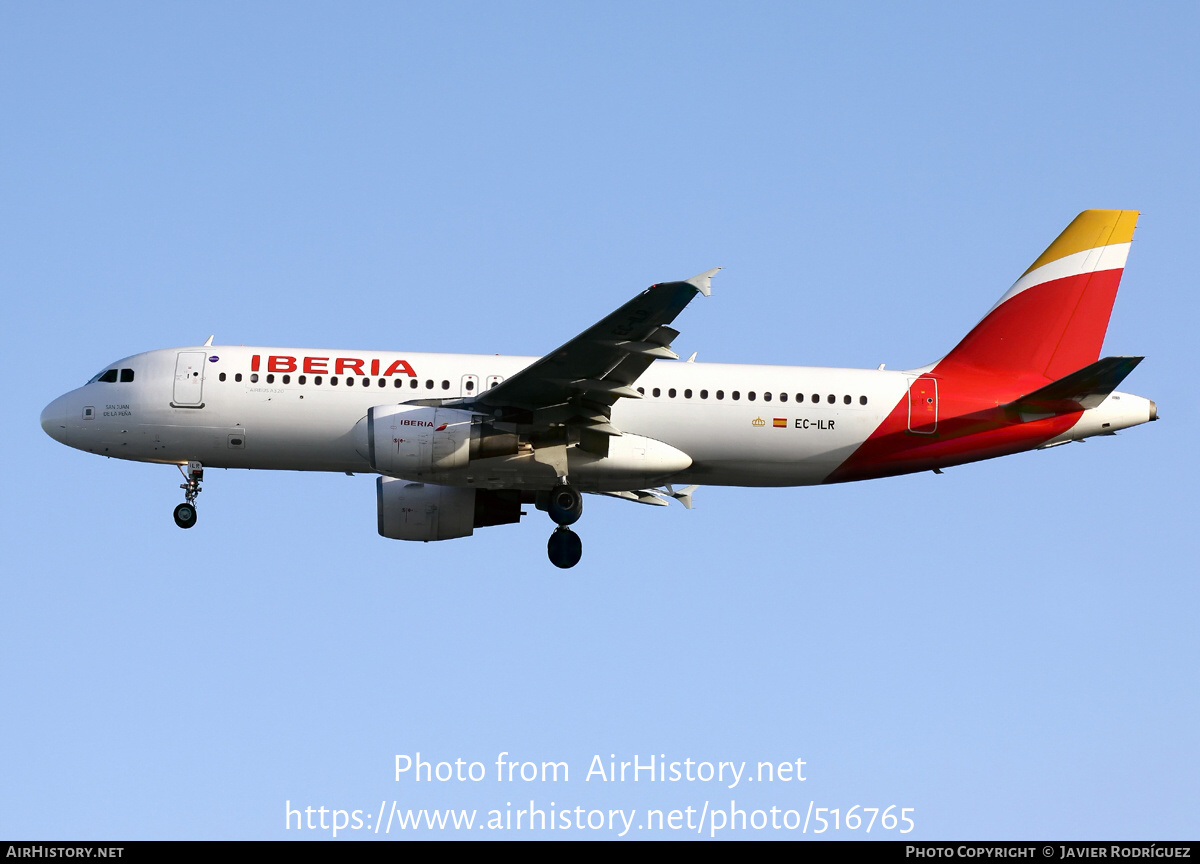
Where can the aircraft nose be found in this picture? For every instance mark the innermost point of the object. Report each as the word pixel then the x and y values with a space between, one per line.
pixel 54 419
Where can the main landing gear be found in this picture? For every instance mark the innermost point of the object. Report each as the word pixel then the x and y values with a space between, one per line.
pixel 185 514
pixel 565 506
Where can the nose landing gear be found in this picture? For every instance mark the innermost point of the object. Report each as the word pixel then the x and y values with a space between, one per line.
pixel 565 506
pixel 185 514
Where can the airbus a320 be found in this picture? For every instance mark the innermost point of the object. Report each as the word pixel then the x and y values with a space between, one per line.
pixel 463 441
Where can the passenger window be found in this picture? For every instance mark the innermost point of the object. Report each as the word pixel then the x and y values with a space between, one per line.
pixel 399 383
pixel 782 397
pixel 332 380
pixel 735 395
pixel 657 392
pixel 751 396
pixel 270 379
pixel 687 394
pixel 799 397
pixel 221 377
pixel 720 394
pixel 816 398
pixel 413 384
pixel 238 377
pixel 303 379
pixel 254 378
pixel 703 394
pixel 317 380
pixel 429 384
pixel 642 390
pixel 445 385
pixel 287 379
pixel 671 392
pixel 766 397
pixel 846 399
pixel 862 400
pixel 832 399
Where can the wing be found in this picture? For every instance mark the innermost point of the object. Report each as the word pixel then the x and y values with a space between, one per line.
pixel 577 384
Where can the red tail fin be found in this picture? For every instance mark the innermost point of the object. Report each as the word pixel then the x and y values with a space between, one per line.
pixel 1053 320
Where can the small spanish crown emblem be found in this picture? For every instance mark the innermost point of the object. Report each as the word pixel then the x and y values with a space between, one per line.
pixel 758 421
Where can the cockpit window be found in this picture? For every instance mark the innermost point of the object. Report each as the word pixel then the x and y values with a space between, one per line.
pixel 109 376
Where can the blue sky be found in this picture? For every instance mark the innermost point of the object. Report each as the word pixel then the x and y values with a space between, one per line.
pixel 1009 648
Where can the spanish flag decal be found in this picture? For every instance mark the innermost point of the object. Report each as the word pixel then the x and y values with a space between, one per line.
pixel 780 423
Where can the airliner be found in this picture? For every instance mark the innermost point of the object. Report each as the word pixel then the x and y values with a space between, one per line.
pixel 465 441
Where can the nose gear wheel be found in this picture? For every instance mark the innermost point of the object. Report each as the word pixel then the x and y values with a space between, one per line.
pixel 185 514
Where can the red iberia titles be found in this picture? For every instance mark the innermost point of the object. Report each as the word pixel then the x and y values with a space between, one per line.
pixel 331 366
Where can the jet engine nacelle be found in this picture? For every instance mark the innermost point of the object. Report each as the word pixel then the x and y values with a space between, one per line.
pixel 419 511
pixel 415 440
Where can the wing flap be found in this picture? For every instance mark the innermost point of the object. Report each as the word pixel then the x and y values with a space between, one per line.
pixel 655 497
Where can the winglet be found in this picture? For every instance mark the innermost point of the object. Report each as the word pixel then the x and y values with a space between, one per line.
pixel 208 344
pixel 703 282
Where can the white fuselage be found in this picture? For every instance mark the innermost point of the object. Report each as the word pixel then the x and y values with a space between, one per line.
pixel 740 424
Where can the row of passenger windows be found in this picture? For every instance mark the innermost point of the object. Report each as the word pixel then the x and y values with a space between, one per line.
pixel 413 383
pixel 109 376
pixel 752 395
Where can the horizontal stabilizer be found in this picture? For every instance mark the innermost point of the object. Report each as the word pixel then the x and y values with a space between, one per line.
pixel 1078 391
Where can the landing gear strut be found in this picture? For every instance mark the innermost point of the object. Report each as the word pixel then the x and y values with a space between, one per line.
pixel 185 514
pixel 565 506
